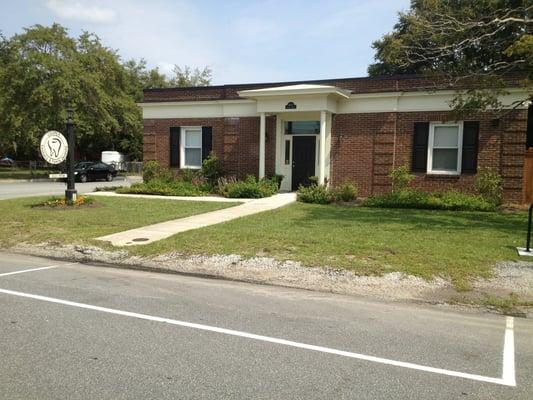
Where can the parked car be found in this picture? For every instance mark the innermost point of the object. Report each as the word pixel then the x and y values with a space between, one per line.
pixel 91 171
pixel 6 162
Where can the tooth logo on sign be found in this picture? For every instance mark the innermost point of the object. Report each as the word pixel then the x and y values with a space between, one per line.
pixel 54 147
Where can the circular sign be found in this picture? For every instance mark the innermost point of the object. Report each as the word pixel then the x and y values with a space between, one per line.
pixel 54 147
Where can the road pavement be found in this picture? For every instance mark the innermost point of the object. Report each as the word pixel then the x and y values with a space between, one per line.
pixel 91 332
pixel 25 189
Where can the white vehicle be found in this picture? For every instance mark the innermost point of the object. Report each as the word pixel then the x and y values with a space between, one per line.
pixel 113 158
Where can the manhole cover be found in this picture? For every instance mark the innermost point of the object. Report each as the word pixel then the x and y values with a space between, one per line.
pixel 140 239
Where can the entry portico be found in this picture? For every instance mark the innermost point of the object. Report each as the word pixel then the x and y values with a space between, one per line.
pixel 297 106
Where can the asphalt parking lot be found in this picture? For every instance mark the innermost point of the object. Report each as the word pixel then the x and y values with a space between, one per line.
pixel 85 332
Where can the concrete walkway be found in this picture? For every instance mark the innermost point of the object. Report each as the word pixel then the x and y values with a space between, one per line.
pixel 152 233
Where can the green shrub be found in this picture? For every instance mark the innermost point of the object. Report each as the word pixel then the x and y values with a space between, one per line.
pixel 212 169
pixel 277 178
pixel 317 194
pixel 401 177
pixel 449 200
pixel 151 170
pixel 187 175
pixel 107 188
pixel 454 200
pixel 488 184
pixel 250 188
pixel 346 192
pixel 164 188
pixel 322 194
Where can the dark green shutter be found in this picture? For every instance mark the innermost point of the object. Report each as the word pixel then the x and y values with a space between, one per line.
pixel 420 147
pixel 207 141
pixel 175 147
pixel 470 146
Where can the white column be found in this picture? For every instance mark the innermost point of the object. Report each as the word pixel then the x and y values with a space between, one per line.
pixel 262 136
pixel 322 149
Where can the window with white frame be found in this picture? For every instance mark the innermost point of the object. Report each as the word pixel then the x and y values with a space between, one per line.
pixel 191 147
pixel 444 148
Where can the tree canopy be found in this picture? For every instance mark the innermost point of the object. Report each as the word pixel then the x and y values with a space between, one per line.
pixel 44 71
pixel 482 41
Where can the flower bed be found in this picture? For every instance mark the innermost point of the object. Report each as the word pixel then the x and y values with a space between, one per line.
pixel 61 202
pixel 208 180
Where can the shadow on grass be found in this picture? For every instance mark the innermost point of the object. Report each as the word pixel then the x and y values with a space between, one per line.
pixel 509 223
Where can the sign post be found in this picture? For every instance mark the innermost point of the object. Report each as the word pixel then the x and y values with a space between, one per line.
pixel 70 193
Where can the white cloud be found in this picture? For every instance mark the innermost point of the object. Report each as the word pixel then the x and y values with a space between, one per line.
pixel 82 11
pixel 166 68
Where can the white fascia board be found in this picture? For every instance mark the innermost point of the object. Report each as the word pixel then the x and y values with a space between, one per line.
pixel 295 91
pixel 199 109
pixel 276 104
pixel 417 101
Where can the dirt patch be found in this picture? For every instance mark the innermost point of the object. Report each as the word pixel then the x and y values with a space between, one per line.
pixel 514 278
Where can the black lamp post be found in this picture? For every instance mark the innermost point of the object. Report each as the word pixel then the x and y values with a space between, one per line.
pixel 70 193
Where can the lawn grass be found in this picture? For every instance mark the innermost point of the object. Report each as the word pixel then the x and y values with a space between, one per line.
pixel 24 173
pixel 23 223
pixel 453 245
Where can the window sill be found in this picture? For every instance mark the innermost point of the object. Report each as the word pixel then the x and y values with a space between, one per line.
pixel 432 175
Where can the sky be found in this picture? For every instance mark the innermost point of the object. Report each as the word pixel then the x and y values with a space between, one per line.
pixel 242 41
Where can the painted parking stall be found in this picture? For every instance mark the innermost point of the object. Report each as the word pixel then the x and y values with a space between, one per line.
pixel 39 290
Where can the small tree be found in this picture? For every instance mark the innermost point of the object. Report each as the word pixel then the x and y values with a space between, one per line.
pixel 489 184
pixel 212 169
pixel 401 178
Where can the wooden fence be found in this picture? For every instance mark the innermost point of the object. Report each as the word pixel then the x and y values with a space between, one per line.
pixel 528 176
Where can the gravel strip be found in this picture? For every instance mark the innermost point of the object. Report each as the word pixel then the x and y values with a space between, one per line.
pixel 508 277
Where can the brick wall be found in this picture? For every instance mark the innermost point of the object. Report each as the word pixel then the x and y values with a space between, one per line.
pixel 365 147
pixel 235 142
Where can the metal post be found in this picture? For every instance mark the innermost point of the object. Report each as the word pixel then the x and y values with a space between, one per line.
pixel 528 242
pixel 70 193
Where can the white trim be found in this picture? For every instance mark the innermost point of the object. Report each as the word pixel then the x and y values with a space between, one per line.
pixel 322 152
pixel 355 104
pixel 431 139
pixel 262 140
pixel 294 90
pixel 438 100
pixel 200 109
pixel 183 131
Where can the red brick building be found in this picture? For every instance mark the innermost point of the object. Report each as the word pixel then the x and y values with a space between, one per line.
pixel 339 130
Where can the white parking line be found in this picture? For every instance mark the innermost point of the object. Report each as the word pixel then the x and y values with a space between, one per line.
pixel 508 378
pixel 508 373
pixel 35 269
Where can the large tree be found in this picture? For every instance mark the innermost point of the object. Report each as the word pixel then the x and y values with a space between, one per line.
pixel 482 42
pixel 44 71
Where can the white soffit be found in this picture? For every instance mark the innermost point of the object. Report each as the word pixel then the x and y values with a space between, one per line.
pixel 294 90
